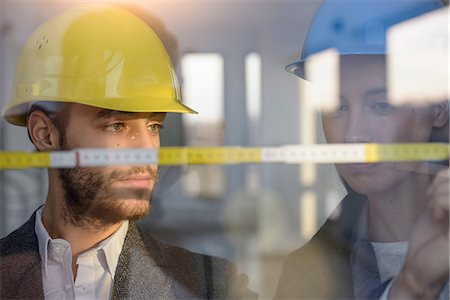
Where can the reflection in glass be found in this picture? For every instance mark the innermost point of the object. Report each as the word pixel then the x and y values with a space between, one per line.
pixel 418 60
pixel 203 84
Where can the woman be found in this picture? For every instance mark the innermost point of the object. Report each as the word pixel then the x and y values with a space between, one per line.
pixel 391 238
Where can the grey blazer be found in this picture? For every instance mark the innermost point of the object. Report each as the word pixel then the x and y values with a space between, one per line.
pixel 147 269
pixel 325 267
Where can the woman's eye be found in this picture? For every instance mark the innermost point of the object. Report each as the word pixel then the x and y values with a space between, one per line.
pixel 154 128
pixel 339 108
pixel 382 106
pixel 115 127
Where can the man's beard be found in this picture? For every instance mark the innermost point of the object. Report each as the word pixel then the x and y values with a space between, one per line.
pixel 91 201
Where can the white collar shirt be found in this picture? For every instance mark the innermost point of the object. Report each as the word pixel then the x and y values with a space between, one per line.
pixel 96 266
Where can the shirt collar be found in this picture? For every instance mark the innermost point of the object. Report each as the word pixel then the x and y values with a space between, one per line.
pixel 42 237
pixel 110 247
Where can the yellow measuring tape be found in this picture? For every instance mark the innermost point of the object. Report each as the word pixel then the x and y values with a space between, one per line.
pixel 318 153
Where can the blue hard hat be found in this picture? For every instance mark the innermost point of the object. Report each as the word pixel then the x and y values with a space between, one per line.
pixel 357 26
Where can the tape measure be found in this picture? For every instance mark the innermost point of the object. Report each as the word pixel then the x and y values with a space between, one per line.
pixel 291 154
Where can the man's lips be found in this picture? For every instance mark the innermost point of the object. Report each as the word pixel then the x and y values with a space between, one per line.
pixel 136 180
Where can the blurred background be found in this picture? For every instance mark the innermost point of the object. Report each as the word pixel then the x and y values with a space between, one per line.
pixel 230 57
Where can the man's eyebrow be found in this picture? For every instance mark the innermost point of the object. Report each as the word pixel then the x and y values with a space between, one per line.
pixel 107 114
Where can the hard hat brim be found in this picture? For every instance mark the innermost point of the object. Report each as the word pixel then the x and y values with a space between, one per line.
pixel 296 68
pixel 17 114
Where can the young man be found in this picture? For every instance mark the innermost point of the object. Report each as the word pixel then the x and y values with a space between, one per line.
pixel 98 77
pixel 388 238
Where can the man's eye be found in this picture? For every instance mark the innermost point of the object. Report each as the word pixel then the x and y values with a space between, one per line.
pixel 154 128
pixel 115 127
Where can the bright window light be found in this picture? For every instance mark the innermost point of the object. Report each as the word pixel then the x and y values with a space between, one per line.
pixel 203 85
pixel 308 214
pixel 418 60
pixel 253 85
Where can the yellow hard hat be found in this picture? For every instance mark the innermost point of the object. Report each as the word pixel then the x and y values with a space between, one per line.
pixel 102 56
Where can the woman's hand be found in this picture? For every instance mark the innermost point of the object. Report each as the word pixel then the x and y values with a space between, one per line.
pixel 426 268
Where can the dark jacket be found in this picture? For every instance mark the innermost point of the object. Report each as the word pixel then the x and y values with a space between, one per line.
pixel 147 269
pixel 322 269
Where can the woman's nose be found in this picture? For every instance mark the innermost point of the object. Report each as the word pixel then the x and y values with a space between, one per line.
pixel 358 129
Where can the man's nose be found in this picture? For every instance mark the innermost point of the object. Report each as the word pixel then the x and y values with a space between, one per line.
pixel 358 129
pixel 142 138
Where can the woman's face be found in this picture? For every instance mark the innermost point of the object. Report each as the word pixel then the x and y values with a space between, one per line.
pixel 365 115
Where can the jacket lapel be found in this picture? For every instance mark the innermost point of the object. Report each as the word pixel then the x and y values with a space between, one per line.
pixel 139 272
pixel 148 269
pixel 20 267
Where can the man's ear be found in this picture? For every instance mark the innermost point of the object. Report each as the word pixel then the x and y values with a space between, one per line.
pixel 441 114
pixel 43 133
